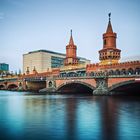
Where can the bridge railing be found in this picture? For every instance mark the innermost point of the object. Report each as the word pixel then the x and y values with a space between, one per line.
pixel 74 76
pixel 36 79
pixel 8 80
pixel 97 75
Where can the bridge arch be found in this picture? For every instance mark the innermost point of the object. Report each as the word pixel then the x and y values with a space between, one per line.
pixel 130 71
pixel 117 72
pixel 75 87
pixel 123 71
pixel 130 87
pixel 137 70
pixel 111 72
pixel 72 74
pixel 2 86
pixel 12 86
pixel 35 85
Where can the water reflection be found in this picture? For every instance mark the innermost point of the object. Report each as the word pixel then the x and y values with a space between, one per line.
pixel 68 117
pixel 109 118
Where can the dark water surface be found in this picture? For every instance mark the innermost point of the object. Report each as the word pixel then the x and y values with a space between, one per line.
pixel 62 117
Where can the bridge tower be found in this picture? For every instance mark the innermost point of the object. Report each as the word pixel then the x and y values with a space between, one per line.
pixel 71 57
pixel 109 54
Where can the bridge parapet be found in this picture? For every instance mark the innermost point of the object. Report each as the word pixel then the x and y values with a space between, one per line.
pixel 36 79
pixel 100 82
pixel 12 79
pixel 96 76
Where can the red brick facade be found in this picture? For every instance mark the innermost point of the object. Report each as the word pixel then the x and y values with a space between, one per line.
pixel 109 54
pixel 119 67
pixel 71 56
pixel 109 57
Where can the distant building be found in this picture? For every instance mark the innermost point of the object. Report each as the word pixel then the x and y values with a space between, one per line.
pixel 4 67
pixel 44 60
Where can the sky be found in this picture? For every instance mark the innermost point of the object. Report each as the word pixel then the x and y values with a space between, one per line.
pixel 29 25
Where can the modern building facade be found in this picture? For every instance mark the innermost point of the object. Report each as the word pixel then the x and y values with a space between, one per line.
pixel 4 67
pixel 42 60
pixel 45 60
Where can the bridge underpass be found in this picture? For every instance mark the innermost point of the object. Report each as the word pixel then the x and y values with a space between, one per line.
pixel 128 88
pixel 12 87
pixel 35 85
pixel 2 87
pixel 75 88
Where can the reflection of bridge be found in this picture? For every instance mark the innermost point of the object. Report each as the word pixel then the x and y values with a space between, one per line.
pixel 88 83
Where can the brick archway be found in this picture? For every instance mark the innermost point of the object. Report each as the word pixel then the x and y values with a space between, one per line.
pixel 130 87
pixel 2 86
pixel 86 85
pixel 121 84
pixel 12 86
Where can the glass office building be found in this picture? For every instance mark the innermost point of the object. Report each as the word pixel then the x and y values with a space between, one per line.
pixel 56 62
pixel 4 67
pixel 44 60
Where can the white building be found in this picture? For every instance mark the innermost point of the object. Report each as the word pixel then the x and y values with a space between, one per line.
pixel 44 60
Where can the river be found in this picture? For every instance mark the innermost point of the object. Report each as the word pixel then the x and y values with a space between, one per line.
pixel 68 117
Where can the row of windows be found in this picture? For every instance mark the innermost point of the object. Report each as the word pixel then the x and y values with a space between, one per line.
pixel 56 61
pixel 111 53
pixel 122 71
pixel 4 67
pixel 110 57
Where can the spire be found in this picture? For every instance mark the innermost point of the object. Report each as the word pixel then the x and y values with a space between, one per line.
pixel 109 27
pixel 71 42
pixel 27 71
pixel 34 69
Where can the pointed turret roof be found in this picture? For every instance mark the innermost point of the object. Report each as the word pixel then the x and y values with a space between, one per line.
pixel 109 27
pixel 34 69
pixel 71 42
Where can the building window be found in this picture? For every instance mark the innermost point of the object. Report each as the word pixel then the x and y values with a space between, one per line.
pixel 4 67
pixel 56 62
pixel 50 83
pixel 105 42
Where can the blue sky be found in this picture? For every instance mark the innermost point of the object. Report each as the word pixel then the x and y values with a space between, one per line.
pixel 28 25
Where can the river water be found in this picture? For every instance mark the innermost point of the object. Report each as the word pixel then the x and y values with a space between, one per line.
pixel 68 117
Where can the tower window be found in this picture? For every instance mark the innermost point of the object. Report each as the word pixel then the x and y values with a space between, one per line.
pixel 105 42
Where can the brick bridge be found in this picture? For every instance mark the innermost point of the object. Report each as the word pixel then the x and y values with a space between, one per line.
pixel 109 76
pixel 98 85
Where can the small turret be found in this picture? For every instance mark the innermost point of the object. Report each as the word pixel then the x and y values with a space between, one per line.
pixel 71 56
